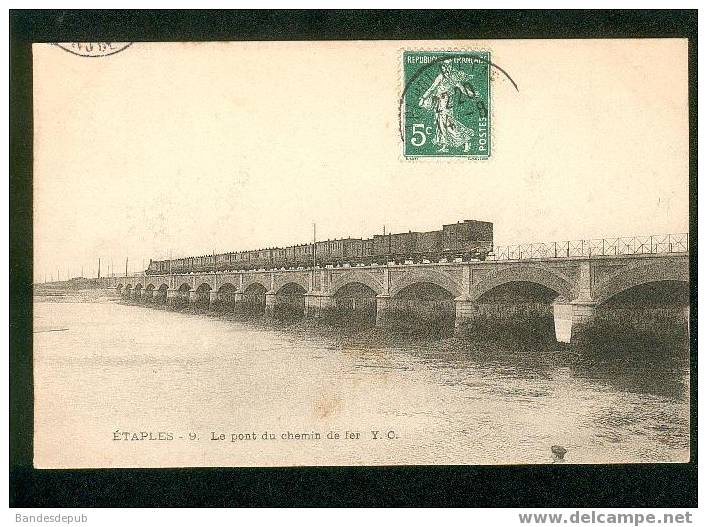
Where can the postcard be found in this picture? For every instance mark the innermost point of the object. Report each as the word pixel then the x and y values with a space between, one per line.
pixel 343 253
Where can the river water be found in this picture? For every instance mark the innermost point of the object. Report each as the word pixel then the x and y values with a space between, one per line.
pixel 103 369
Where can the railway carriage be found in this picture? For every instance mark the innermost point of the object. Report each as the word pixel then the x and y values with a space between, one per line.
pixel 428 246
pixel 223 261
pixel 367 250
pixel 279 257
pixel 303 255
pixel 468 239
pixel 353 250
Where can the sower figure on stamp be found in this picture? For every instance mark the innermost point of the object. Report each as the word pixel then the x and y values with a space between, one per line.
pixel 439 98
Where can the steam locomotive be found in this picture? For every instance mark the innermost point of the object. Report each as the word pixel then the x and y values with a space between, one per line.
pixel 468 240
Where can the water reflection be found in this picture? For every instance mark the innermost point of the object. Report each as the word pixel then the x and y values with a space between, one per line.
pixel 452 401
pixel 661 370
pixel 647 390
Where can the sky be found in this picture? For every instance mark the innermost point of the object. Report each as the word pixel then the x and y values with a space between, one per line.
pixel 188 148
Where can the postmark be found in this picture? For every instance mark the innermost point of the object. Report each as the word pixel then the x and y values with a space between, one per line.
pixel 94 49
pixel 445 105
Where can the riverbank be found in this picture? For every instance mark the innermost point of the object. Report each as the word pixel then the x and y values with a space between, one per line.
pixel 54 293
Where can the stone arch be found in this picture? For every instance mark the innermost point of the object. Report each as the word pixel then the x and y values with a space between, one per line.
pixel 182 296
pixel 148 292
pixel 350 289
pixel 535 274
pixel 226 287
pixel 281 280
pixel 429 276
pixel 291 288
pixel 254 298
pixel 161 297
pixel 422 301
pixel 290 285
pixel 290 300
pixel 255 286
pixel 203 295
pixel 357 299
pixel 658 270
pixel 203 288
pixel 226 295
pixel 361 277
pixel 256 278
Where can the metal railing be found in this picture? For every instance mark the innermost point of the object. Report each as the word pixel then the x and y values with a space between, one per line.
pixel 654 244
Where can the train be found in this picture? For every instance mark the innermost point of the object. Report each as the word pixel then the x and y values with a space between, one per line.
pixel 467 240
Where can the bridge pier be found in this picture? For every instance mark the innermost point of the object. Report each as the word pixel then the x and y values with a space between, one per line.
pixel 464 311
pixel 213 299
pixel 239 304
pixel 172 297
pixel 316 302
pixel 571 317
pixel 382 307
pixel 270 302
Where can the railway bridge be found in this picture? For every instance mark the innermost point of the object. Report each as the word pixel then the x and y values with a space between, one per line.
pixel 573 286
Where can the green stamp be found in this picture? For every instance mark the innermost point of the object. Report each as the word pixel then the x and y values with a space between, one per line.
pixel 445 104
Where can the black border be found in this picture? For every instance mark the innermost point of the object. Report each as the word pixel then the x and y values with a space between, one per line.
pixel 649 485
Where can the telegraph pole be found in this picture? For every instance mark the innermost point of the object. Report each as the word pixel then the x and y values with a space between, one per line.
pixel 99 269
pixel 126 267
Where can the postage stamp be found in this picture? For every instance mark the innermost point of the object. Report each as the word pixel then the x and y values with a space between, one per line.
pixel 445 104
